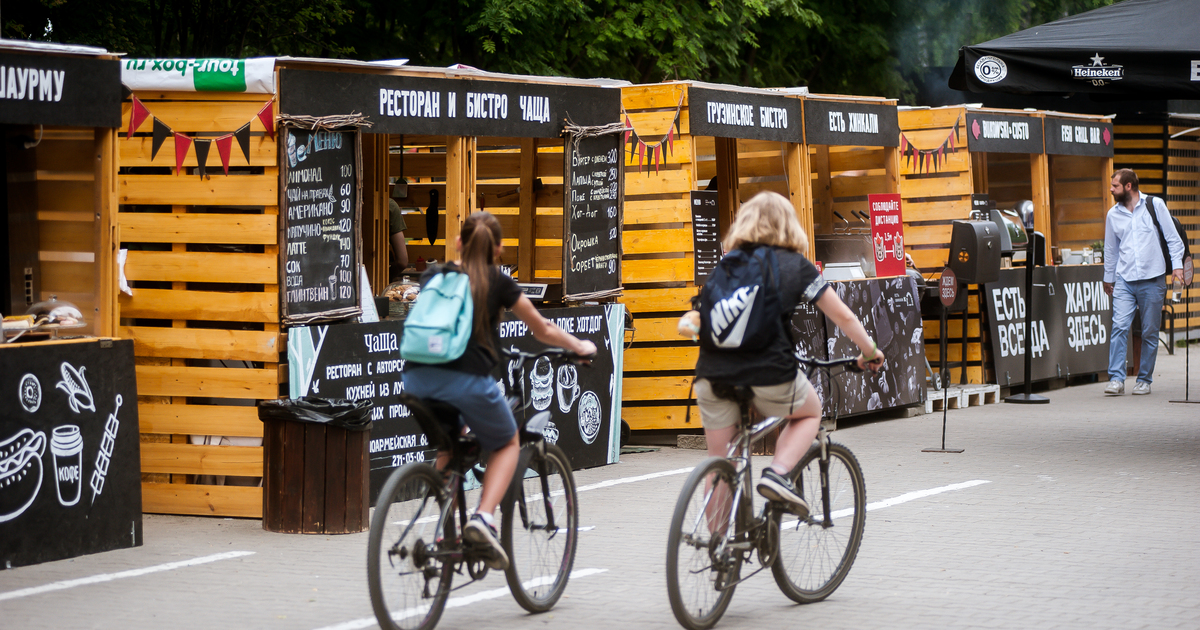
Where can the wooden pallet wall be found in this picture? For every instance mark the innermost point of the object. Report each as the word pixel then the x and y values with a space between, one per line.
pixel 1183 198
pixel 204 314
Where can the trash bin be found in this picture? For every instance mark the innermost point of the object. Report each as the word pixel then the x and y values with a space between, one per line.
pixel 315 466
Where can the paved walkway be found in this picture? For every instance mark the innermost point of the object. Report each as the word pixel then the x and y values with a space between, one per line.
pixel 1089 518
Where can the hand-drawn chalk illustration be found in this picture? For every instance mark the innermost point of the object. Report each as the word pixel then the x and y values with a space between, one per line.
pixel 66 444
pixel 104 455
pixel 79 395
pixel 30 393
pixel 568 387
pixel 541 380
pixel 20 472
pixel 589 416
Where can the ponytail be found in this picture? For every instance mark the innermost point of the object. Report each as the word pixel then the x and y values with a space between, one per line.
pixel 480 236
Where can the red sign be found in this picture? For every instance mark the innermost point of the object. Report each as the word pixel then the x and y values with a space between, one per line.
pixel 887 234
pixel 948 287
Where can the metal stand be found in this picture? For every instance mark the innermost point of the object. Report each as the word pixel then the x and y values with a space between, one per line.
pixel 1028 398
pixel 1187 365
pixel 945 377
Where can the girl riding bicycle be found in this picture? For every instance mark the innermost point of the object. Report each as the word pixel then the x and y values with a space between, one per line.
pixel 466 382
pixel 780 389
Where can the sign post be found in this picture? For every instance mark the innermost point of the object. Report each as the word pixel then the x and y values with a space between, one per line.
pixel 947 293
pixel 1189 271
pixel 1028 398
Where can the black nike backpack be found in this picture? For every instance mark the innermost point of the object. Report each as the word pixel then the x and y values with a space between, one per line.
pixel 740 306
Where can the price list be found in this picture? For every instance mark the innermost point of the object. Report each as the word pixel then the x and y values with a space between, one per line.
pixel 706 240
pixel 592 217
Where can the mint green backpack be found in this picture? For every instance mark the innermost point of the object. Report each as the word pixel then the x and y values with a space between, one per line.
pixel 438 327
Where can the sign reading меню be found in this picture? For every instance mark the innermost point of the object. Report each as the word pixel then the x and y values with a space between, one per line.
pixel 320 240
pixel 592 216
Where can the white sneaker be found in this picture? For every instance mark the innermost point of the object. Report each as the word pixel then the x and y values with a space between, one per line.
pixel 479 532
pixel 1116 388
pixel 1141 389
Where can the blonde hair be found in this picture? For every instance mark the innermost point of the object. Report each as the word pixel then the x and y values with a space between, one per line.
pixel 767 219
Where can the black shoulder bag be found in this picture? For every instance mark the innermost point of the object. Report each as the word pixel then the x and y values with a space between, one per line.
pixel 1162 239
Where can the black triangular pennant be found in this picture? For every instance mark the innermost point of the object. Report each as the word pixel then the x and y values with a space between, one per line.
pixel 161 131
pixel 201 154
pixel 243 138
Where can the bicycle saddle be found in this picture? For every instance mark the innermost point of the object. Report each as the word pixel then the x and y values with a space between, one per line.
pixel 439 420
pixel 740 394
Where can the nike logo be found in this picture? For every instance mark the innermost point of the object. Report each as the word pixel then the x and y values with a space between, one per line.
pixel 730 316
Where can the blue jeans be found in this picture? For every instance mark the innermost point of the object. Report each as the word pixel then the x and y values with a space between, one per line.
pixel 1147 297
pixel 478 399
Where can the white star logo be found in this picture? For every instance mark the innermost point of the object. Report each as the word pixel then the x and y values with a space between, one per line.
pixel 1097 60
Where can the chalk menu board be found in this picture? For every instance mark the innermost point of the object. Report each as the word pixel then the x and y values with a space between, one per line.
pixel 320 243
pixel 706 240
pixel 592 215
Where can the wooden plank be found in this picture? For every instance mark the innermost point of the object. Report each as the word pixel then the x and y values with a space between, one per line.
pixel 335 484
pixel 654 96
pixel 657 328
pixel 665 181
pixel 657 241
pixel 204 343
pixel 202 267
pixel 156 380
pixel 954 184
pixel 935 210
pixel 67 197
pixel 658 270
pixel 197 459
pixel 313 502
pixel 202 500
pixel 953 326
pixel 942 117
pixel 201 305
pixel 199 420
pixel 857 160
pixel 843 186
pixel 927 234
pixel 137 152
pixel 1076 190
pixel 664 388
pixel 653 126
pixel 67 236
pixel 930 260
pixel 240 190
pixel 654 359
pixel 647 418
pixel 1076 167
pixel 164 227
pixel 658 300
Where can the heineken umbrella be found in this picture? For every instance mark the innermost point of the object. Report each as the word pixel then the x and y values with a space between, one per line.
pixel 1136 49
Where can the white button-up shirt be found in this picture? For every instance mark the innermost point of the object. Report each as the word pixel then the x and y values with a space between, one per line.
pixel 1131 246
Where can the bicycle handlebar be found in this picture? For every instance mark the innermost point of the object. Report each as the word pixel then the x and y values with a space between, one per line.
pixel 849 363
pixel 561 353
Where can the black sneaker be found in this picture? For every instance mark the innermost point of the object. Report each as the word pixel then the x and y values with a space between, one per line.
pixel 480 533
pixel 776 487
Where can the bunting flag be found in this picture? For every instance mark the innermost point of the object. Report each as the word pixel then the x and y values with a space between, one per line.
pixel 202 147
pixel 161 132
pixel 224 145
pixel 136 117
pixel 929 160
pixel 183 143
pixel 656 151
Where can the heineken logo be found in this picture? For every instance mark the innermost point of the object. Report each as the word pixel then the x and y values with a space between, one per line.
pixel 1098 72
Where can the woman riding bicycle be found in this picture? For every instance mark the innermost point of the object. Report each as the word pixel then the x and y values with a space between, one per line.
pixel 780 389
pixel 466 382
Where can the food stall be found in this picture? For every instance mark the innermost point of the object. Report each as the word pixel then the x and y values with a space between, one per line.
pixel 245 262
pixel 68 427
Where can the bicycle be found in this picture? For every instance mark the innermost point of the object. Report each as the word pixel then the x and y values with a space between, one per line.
pixel 808 557
pixel 416 543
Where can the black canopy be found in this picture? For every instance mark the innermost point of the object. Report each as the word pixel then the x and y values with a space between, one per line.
pixel 1143 49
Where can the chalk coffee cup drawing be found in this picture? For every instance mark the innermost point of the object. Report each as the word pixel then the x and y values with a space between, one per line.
pixel 568 387
pixel 67 446
pixel 541 381
pixel 291 149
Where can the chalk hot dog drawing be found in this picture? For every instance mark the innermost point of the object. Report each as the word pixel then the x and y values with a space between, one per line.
pixel 20 472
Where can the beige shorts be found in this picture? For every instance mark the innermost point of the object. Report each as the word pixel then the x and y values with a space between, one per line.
pixel 769 400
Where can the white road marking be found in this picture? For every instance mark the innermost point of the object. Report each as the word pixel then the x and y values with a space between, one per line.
pixel 616 482
pixel 904 498
pixel 455 602
pixel 108 577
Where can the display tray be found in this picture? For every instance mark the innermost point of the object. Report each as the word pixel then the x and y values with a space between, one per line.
pixel 45 331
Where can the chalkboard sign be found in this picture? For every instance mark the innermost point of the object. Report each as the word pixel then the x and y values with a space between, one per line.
pixel 70 466
pixel 998 133
pixel 320 243
pixel 592 216
pixel 706 240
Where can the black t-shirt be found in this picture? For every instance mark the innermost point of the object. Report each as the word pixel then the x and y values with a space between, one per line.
pixel 799 281
pixel 503 293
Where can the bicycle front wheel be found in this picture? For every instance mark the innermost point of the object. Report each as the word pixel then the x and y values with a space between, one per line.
pixel 409 579
pixel 540 530
pixel 701 567
pixel 815 555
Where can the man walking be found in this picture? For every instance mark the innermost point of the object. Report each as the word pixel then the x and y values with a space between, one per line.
pixel 1134 275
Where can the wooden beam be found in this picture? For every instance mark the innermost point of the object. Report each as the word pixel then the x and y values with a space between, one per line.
pixel 822 192
pixel 796 172
pixel 460 188
pixel 1039 174
pixel 105 319
pixel 527 220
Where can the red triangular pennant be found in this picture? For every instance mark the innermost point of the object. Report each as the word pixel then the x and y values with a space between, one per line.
pixel 136 117
pixel 268 121
pixel 182 143
pixel 628 130
pixel 243 138
pixel 224 145
pixel 903 143
pixel 657 156
pixel 161 131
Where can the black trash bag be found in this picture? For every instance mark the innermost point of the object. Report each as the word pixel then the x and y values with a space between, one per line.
pixel 337 412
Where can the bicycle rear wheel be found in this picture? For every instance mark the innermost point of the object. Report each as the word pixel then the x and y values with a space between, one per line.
pixel 540 530
pixel 700 566
pixel 815 556
pixel 408 579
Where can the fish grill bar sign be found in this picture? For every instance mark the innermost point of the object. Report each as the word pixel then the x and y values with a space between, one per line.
pixel 998 133
pixel 320 235
pixel 53 90
pixel 1073 136
pixel 749 115
pixel 456 107
pixel 70 462
pixel 1071 322
pixel 706 240
pixel 592 216
pixel 359 361
pixel 845 123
